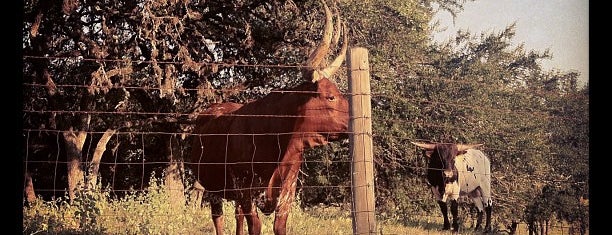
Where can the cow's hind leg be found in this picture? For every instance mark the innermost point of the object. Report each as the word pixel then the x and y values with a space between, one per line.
pixel 444 210
pixel 455 212
pixel 478 203
pixel 216 209
pixel 239 214
pixel 249 212
pixel 488 211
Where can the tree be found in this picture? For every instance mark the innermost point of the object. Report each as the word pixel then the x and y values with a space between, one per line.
pixel 144 67
pixel 141 70
pixel 515 112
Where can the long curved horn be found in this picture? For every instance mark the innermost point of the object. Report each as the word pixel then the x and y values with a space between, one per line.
pixel 319 53
pixel 424 145
pixel 463 147
pixel 336 38
pixel 335 65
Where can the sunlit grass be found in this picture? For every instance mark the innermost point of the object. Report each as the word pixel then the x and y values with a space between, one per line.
pixel 154 212
pixel 151 213
pixel 337 220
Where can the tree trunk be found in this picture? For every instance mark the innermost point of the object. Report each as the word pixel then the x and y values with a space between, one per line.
pixel 30 196
pixel 92 176
pixel 196 193
pixel 173 178
pixel 74 149
pixel 174 184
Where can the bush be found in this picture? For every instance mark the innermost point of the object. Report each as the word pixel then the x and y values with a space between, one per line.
pixel 97 212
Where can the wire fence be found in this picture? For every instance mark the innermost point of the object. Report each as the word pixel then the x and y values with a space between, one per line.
pixel 55 155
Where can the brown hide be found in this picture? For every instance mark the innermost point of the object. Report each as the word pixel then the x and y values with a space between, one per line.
pixel 254 151
pixel 240 151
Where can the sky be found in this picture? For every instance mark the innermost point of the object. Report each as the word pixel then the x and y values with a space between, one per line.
pixel 562 26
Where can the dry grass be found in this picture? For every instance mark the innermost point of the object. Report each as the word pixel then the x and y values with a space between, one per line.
pixel 152 213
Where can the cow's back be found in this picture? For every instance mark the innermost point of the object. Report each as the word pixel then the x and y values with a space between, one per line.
pixel 474 170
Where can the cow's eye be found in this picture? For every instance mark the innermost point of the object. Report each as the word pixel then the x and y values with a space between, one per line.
pixel 331 98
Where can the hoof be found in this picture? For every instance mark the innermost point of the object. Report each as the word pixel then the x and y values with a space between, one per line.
pixel 446 226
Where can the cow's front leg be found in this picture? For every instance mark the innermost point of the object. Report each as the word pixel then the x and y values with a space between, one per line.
pixel 282 210
pixel 280 223
pixel 444 210
pixel 281 214
pixel 285 201
pixel 455 212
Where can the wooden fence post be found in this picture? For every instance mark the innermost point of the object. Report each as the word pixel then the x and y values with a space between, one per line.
pixel 360 126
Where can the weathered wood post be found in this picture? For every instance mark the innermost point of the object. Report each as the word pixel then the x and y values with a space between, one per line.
pixel 360 127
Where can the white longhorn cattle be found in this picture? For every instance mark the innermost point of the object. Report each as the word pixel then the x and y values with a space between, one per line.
pixel 456 170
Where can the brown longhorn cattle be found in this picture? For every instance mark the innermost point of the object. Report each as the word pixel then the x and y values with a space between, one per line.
pixel 252 153
pixel 456 170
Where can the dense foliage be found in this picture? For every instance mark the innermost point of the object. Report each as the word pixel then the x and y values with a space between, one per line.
pixel 144 68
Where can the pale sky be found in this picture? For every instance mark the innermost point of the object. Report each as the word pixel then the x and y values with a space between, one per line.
pixel 559 25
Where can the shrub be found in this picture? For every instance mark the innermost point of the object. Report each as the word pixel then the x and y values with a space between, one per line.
pixel 97 212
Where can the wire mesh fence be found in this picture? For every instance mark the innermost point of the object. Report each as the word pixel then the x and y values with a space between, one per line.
pixel 126 164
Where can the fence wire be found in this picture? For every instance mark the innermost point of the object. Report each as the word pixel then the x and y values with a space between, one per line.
pixel 55 163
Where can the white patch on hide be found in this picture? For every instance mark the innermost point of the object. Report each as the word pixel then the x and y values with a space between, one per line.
pixel 451 190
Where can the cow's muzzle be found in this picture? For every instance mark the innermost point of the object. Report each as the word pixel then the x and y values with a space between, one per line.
pixel 448 174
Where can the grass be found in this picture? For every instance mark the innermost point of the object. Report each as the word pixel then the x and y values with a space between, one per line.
pixel 154 213
pixel 147 214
